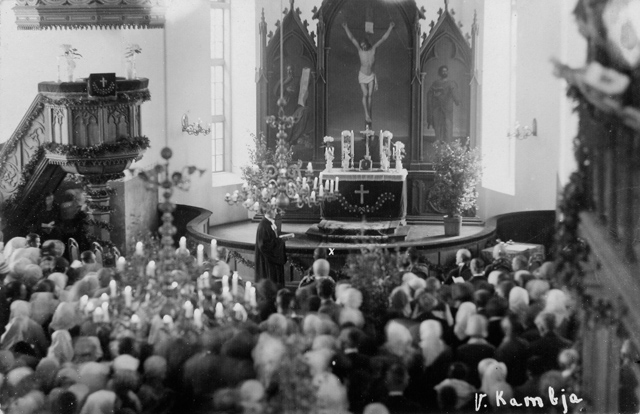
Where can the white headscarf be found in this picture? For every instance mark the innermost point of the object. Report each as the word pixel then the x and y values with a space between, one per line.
pixel 465 310
pixel 431 341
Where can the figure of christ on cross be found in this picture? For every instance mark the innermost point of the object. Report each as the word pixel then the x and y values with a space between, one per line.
pixel 362 192
pixel 366 76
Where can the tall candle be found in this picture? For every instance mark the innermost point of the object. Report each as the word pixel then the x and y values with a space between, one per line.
pixel 254 302
pixel 104 298
pixel 135 321
pixel 321 191
pixel 127 296
pixel 112 288
pixel 313 196
pixel 381 144
pixel 183 242
pixel 214 249
pixel 310 167
pixel 337 181
pixel 89 308
pixel 151 269
pixel 139 249
pixel 200 255
pixel 247 292
pixel 121 263
pixel 188 309
pixel 206 280
pixel 353 148
pixel 234 284
pixel 315 183
pixel 168 321
pixel 197 318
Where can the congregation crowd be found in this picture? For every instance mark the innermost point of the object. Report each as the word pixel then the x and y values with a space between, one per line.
pixel 504 330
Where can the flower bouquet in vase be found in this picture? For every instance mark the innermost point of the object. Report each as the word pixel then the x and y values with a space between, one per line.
pixel 130 56
pixel 328 153
pixel 70 53
pixel 398 154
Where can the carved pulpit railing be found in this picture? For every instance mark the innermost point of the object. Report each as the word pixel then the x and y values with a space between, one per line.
pixel 67 131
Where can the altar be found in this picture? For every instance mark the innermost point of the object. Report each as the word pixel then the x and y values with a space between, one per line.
pixel 375 195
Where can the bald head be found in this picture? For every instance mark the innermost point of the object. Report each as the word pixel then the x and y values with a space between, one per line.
pixel 321 267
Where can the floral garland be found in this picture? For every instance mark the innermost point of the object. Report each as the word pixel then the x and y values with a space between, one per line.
pixel 384 197
pixel 237 256
pixel 136 96
pixel 123 145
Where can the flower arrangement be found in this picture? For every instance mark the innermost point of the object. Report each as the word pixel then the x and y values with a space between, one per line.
pixel 71 54
pixel 131 51
pixel 457 173
pixel 328 141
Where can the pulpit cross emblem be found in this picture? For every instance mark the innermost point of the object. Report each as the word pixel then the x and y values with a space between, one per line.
pixel 103 81
pixel 362 192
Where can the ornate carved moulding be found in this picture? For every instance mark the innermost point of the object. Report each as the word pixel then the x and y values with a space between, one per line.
pixel 89 14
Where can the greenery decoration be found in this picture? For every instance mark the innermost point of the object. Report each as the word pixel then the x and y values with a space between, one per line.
pixel 9 208
pixel 457 173
pixel 122 145
pixel 84 100
pixel 132 50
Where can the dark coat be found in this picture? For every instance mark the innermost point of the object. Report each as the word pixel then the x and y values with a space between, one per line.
pixel 270 254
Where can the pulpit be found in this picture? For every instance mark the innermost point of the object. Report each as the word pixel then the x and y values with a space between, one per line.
pixel 374 195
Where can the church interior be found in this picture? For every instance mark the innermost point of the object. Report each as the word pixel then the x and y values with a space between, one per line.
pixel 332 206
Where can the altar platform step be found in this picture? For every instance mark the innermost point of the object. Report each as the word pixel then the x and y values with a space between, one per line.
pixel 330 231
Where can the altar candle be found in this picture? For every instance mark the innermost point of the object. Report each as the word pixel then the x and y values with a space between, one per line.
pixel 104 298
pixel 135 321
pixel 315 183
pixel 200 255
pixel 247 292
pixel 321 191
pixel 352 147
pixel 112 288
pixel 168 320
pixel 197 318
pixel 105 310
pixel 83 302
pixel 98 315
pixel 225 282
pixel 310 167
pixel 241 313
pixel 253 301
pixel 234 284
pixel 120 264
pixel 219 311
pixel 313 196
pixel 214 249
pixel 381 145
pixel 342 145
pixel 188 309
pixel 151 269
pixel 331 186
pixel 183 242
pixel 206 279
pixel 127 296
pixel 337 181
pixel 139 249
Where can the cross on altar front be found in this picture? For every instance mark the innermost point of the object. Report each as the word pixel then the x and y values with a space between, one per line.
pixel 362 192
pixel 103 81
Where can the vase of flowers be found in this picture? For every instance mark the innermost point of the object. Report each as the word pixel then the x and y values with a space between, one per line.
pixel 328 153
pixel 71 54
pixel 398 154
pixel 457 173
pixel 130 56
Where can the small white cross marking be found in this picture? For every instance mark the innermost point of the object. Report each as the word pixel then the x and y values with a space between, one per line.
pixel 330 251
pixel 103 81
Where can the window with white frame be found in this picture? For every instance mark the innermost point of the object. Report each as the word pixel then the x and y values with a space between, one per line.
pixel 219 84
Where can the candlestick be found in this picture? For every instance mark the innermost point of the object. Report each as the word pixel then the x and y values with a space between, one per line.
pixel 151 269
pixel 139 249
pixel 206 279
pixel 214 249
pixel 219 311
pixel 200 255
pixel 281 54
pixel 234 284
pixel 104 298
pixel 127 296
pixel 197 318
pixel 337 181
pixel 315 183
pixel 135 321
pixel 310 167
pixel 321 191
pixel 188 309
pixel 353 148
pixel 381 144
pixel 112 288
pixel 121 263
pixel 183 242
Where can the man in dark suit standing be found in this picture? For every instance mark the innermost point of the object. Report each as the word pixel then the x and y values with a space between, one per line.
pixel 270 254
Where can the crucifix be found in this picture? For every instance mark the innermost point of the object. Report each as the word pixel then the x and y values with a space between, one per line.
pixel 103 81
pixel 362 192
